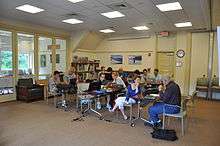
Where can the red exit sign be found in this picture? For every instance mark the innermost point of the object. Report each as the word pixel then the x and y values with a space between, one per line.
pixel 164 33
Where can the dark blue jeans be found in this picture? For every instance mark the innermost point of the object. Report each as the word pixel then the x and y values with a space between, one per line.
pixel 157 109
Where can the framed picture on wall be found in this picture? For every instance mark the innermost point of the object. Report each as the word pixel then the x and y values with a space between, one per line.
pixel 116 59
pixel 57 58
pixel 43 61
pixel 134 59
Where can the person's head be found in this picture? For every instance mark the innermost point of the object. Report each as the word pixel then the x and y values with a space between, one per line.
pixel 156 71
pixel 109 69
pixel 114 75
pixel 166 79
pixel 145 72
pixel 102 68
pixel 102 77
pixel 56 74
pixel 137 80
pixel 72 64
pixel 137 72
pixel 120 70
pixel 148 70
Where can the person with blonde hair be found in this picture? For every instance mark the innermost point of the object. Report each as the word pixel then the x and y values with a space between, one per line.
pixel 118 80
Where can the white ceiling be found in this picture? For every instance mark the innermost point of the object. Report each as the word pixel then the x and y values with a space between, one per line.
pixel 142 12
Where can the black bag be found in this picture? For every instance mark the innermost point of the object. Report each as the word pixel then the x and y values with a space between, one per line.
pixel 164 134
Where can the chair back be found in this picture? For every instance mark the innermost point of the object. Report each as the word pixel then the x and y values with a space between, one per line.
pixel 42 82
pixel 215 81
pixel 82 87
pixel 202 81
pixel 25 82
pixel 184 104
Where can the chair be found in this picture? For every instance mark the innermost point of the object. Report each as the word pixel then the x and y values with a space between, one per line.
pixel 202 85
pixel 82 96
pixel 27 91
pixel 126 105
pixel 45 84
pixel 215 86
pixel 192 98
pixel 182 114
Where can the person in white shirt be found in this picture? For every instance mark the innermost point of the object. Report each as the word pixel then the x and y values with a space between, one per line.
pixel 118 80
pixel 145 77
pixel 156 76
pixel 54 80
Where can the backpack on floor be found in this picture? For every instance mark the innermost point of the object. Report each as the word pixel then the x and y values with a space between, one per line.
pixel 164 134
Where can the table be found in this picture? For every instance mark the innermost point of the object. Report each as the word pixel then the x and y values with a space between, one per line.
pixel 141 103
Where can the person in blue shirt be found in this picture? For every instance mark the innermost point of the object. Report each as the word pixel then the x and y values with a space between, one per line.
pixel 133 93
pixel 170 95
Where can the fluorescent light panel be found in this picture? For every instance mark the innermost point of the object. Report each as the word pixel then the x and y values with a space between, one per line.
pixel 29 8
pixel 114 14
pixel 107 31
pixel 75 1
pixel 183 24
pixel 141 28
pixel 169 7
pixel 72 21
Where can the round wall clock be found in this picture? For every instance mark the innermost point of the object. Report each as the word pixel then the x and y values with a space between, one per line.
pixel 180 53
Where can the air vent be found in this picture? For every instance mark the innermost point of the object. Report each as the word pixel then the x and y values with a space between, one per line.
pixel 120 6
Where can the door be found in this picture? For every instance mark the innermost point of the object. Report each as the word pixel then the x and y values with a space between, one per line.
pixel 165 63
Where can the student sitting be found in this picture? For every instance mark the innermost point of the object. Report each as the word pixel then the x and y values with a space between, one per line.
pixel 118 80
pixel 170 95
pixel 102 81
pixel 53 82
pixel 133 93
pixel 145 77
pixel 156 76
pixel 102 71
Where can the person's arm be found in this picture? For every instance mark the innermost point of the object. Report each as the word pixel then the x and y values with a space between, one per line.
pixel 165 95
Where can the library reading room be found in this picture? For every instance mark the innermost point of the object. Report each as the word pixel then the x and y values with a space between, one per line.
pixel 109 72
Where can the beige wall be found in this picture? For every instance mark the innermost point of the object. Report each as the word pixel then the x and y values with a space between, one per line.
pixel 215 57
pixel 194 63
pixel 126 47
pixel 199 57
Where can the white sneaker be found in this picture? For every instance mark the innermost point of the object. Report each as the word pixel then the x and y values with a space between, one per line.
pixel 108 106
pixel 125 117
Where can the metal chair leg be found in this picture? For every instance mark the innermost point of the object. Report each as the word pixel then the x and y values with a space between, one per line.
pixel 163 126
pixel 131 111
pixel 182 123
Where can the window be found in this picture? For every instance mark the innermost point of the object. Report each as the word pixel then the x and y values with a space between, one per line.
pixel 5 53
pixel 61 55
pixel 6 67
pixel 25 54
pixel 45 66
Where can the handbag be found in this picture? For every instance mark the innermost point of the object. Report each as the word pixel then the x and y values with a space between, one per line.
pixel 164 134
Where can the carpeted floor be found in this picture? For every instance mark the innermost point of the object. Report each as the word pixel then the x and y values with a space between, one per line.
pixel 39 124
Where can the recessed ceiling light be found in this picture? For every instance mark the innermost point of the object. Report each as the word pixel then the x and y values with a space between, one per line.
pixel 169 7
pixel 141 28
pixel 183 24
pixel 72 21
pixel 75 1
pixel 29 9
pixel 107 31
pixel 114 14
